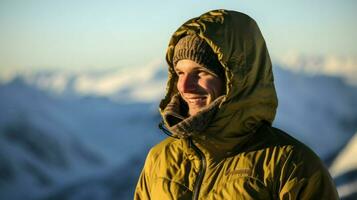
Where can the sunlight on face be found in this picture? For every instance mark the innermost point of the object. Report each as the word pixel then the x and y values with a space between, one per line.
pixel 198 87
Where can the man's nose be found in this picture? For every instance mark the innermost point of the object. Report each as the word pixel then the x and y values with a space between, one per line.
pixel 187 84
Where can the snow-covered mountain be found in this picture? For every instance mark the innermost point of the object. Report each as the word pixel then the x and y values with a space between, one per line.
pixel 145 84
pixel 327 65
pixel 71 135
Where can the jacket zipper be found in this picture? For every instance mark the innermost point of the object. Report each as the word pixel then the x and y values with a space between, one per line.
pixel 201 173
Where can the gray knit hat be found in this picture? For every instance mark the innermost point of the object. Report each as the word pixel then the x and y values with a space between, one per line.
pixel 196 49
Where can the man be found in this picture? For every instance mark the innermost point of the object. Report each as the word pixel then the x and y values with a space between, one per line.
pixel 219 106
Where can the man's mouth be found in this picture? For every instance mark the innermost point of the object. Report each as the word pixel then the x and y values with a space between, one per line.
pixel 196 100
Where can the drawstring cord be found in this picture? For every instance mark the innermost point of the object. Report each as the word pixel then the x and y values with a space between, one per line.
pixel 167 132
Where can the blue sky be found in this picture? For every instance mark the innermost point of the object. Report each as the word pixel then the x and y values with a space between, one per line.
pixel 105 34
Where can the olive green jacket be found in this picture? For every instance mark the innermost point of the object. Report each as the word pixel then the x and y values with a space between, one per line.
pixel 229 149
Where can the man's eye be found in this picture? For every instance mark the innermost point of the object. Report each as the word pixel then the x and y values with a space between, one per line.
pixel 203 73
pixel 179 73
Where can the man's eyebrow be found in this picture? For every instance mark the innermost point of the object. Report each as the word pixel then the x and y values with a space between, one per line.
pixel 203 69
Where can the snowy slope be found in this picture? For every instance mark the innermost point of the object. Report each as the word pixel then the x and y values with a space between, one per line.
pixel 344 170
pixel 36 148
pixel 47 142
pixel 111 116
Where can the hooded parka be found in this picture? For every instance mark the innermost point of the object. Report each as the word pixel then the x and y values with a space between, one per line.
pixel 229 150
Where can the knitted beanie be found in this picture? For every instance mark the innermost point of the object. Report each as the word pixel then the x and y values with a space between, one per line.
pixel 196 49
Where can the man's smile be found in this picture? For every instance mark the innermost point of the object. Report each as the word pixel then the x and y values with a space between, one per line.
pixel 197 100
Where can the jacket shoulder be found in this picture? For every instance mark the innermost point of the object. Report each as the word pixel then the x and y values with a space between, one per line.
pixel 278 137
pixel 168 144
pixel 297 146
pixel 302 173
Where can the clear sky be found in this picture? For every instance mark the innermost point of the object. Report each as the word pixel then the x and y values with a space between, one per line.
pixel 105 34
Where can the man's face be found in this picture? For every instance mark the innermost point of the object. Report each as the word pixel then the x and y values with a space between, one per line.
pixel 197 86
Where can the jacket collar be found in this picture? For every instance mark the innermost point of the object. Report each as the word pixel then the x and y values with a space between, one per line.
pixel 192 126
pixel 214 138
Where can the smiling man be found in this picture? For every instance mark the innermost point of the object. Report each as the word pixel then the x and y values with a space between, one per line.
pixel 218 109
pixel 197 86
pixel 200 76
